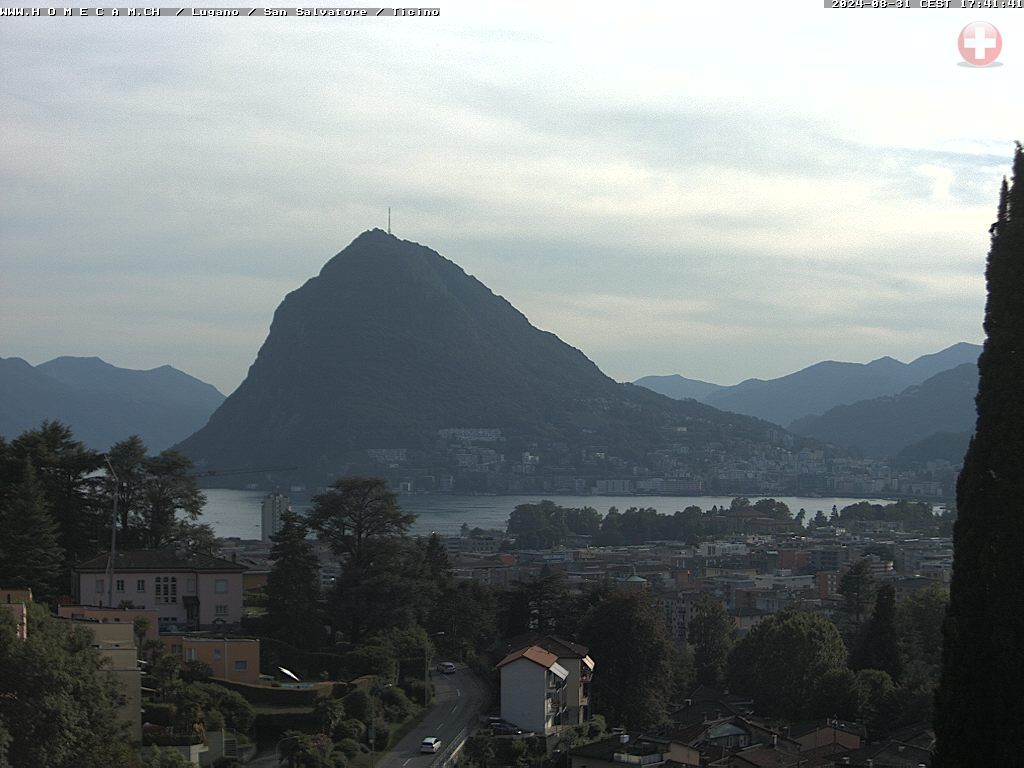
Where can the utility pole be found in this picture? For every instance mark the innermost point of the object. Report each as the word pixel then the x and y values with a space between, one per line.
pixel 113 535
pixel 389 219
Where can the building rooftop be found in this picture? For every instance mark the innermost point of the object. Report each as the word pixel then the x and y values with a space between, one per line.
pixel 160 560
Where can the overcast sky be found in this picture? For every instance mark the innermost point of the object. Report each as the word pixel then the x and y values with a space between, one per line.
pixel 723 191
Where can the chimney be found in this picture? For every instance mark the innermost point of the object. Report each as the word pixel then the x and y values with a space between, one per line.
pixel 775 740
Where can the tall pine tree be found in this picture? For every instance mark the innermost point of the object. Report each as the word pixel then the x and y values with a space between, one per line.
pixel 293 585
pixel 30 552
pixel 980 703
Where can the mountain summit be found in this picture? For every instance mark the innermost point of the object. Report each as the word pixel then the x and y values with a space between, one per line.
pixel 391 343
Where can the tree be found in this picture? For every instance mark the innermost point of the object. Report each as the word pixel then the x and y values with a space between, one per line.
pixel 879 648
pixel 65 471
pixel 167 758
pixel 357 514
pixel 158 501
pixel 772 508
pixel 979 700
pixel 627 637
pixel 857 586
pixel 30 555
pixel 57 701
pixel 293 585
pixel 710 633
pixel 783 662
pixel 819 521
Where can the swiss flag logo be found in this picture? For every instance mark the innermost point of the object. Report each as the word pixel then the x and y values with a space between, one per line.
pixel 980 43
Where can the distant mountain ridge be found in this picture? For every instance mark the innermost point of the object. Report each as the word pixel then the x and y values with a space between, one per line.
pixel 103 403
pixel 817 388
pixel 927 420
pixel 392 342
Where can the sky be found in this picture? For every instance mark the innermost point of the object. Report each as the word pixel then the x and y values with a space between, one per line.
pixel 722 191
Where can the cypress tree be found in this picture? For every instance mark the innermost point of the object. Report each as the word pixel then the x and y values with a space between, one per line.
pixel 980 701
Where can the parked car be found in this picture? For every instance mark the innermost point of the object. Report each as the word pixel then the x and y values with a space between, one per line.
pixel 503 728
pixel 430 744
pixel 446 668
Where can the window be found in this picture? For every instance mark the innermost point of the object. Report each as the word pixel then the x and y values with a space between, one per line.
pixel 119 585
pixel 216 654
pixel 100 586
pixel 221 610
pixel 190 654
pixel 220 586
pixel 166 589
pixel 241 666
pixel 140 585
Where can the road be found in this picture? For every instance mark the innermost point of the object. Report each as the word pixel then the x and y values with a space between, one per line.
pixel 457 702
pixel 456 705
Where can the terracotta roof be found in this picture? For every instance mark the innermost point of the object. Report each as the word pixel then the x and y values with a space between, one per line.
pixel 159 560
pixel 533 653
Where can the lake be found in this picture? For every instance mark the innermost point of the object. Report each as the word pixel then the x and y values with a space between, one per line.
pixel 237 513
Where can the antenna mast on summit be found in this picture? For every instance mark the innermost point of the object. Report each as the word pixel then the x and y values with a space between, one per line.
pixel 389 219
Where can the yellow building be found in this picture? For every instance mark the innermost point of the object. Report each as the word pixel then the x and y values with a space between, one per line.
pixel 14 601
pixel 114 616
pixel 234 659
pixel 116 643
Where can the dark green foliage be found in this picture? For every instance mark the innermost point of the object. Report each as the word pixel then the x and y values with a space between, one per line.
pixel 536 606
pixel 293 586
pixel 784 660
pixel 386 581
pixel 546 525
pixel 354 515
pixel 878 704
pixel 330 713
pixel 772 508
pixel 167 758
pixel 626 631
pixel 857 586
pixel 979 702
pixel 158 502
pixel 64 471
pixel 57 703
pixel 878 647
pixel 301 750
pixel 467 615
pixel 30 555
pixel 710 633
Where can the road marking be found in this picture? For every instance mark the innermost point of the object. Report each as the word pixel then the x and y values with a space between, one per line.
pixel 458 691
pixel 455 707
pixel 406 762
pixel 440 726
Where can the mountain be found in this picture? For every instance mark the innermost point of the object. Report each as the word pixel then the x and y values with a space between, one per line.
pixel 102 403
pixel 819 387
pixel 391 343
pixel 948 446
pixel 886 426
pixel 678 387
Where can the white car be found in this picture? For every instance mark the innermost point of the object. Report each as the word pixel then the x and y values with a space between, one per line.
pixel 430 744
pixel 446 668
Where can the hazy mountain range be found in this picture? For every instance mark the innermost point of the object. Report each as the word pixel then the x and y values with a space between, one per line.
pixel 103 403
pixel 879 407
pixel 884 426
